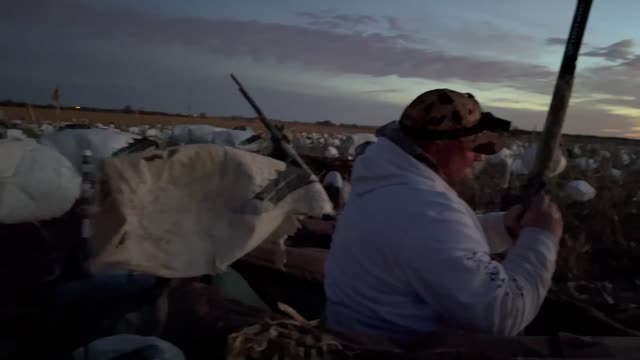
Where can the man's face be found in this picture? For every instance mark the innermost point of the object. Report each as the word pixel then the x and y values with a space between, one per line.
pixel 454 161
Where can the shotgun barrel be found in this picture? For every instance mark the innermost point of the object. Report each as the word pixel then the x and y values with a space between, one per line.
pixel 559 103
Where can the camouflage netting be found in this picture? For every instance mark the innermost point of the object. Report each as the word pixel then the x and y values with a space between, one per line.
pixel 284 339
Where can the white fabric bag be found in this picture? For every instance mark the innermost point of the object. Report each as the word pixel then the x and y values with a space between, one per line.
pixel 194 209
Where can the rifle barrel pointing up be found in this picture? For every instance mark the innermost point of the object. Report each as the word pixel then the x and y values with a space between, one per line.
pixel 276 136
pixel 559 100
pixel 272 129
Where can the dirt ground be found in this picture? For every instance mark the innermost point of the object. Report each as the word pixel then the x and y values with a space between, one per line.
pixel 121 119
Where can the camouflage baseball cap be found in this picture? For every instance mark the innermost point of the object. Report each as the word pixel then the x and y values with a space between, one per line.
pixel 443 114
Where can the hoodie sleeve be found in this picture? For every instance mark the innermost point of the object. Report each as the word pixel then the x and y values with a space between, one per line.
pixel 452 271
pixel 495 231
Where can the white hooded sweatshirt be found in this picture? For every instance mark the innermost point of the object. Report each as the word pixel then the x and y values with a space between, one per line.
pixel 409 257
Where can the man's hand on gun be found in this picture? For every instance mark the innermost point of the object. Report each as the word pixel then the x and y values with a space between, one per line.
pixel 543 214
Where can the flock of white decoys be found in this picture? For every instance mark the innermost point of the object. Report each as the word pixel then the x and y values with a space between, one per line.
pixel 39 151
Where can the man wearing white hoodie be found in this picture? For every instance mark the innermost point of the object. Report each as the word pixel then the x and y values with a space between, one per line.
pixel 409 257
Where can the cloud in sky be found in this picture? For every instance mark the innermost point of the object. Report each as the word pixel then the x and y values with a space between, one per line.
pixel 382 91
pixel 619 82
pixel 395 24
pixel 580 120
pixel 374 54
pixel 329 20
pixel 370 60
pixel 618 51
pixel 556 41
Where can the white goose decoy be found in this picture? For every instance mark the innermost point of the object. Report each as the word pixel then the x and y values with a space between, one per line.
pixel 207 134
pixel 337 189
pixel 101 142
pixel 331 152
pixel 584 163
pixel 580 190
pixel 16 134
pixel 36 182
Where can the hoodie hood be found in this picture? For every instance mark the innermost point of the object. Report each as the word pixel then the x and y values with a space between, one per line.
pixel 385 164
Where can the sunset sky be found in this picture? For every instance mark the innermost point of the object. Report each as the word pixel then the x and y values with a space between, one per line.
pixel 350 61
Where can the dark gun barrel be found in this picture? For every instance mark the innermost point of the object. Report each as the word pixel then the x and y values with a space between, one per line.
pixel 279 139
pixel 550 140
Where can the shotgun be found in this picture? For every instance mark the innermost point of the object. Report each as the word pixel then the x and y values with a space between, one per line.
pixel 277 137
pixel 550 140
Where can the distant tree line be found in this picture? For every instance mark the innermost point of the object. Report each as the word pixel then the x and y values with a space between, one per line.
pixel 126 109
